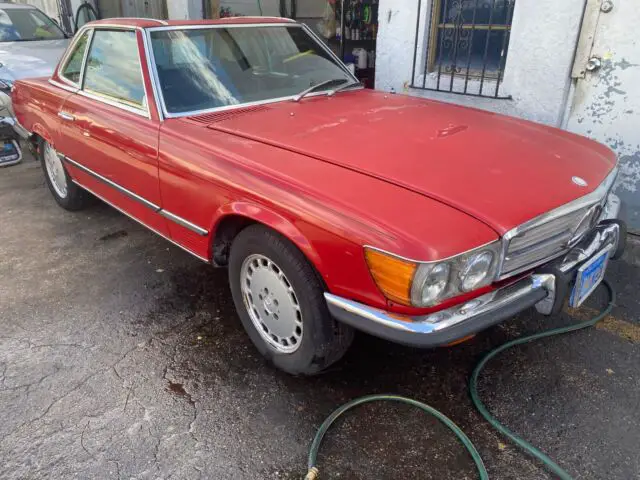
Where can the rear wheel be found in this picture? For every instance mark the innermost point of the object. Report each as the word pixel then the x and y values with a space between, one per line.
pixel 68 195
pixel 281 304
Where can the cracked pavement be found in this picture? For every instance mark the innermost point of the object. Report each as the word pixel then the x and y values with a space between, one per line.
pixel 121 357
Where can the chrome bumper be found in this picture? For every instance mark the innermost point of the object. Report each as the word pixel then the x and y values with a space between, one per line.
pixel 444 326
pixel 545 289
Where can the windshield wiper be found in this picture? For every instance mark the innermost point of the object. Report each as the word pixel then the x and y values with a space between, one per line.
pixel 357 83
pixel 315 87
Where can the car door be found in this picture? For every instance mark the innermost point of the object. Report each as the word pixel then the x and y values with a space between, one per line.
pixel 109 133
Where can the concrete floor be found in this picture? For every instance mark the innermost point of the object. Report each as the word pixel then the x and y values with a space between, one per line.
pixel 121 357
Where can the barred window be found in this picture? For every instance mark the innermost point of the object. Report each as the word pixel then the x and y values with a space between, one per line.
pixel 467 45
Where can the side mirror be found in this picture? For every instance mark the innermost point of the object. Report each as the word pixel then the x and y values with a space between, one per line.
pixel 352 68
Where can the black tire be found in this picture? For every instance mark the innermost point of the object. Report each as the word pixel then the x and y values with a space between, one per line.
pixel 324 340
pixel 76 197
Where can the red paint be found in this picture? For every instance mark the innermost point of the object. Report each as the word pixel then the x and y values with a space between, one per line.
pixel 423 179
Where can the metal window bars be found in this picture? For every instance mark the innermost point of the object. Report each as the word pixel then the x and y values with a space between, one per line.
pixel 465 49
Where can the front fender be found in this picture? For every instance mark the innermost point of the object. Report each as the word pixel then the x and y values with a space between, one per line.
pixel 266 216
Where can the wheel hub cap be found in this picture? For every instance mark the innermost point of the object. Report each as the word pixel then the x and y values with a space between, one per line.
pixel 55 171
pixel 271 303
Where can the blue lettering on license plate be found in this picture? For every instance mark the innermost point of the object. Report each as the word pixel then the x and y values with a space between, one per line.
pixel 589 277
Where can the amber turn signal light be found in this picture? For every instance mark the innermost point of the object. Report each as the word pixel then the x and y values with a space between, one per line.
pixel 392 275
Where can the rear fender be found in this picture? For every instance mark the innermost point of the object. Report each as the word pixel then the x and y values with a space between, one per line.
pixel 41 131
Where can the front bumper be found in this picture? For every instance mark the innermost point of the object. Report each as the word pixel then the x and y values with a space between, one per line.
pixel 546 289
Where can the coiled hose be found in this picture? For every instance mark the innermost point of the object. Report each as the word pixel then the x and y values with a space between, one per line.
pixel 313 471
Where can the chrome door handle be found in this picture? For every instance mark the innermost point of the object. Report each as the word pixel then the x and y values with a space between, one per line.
pixel 66 116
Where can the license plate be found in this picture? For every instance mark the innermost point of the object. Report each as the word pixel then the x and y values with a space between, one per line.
pixel 589 277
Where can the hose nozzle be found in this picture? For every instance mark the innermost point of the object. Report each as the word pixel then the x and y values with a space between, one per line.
pixel 312 474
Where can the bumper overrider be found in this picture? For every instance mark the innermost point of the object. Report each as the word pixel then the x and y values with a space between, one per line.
pixel 546 288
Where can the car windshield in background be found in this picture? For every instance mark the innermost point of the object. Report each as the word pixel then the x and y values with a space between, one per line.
pixel 201 69
pixel 27 24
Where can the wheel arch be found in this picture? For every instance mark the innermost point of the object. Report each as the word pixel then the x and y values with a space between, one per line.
pixel 39 131
pixel 232 218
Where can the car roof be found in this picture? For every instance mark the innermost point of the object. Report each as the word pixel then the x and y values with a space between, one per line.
pixel 152 22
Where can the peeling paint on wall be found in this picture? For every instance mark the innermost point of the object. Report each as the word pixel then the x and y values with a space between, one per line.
pixel 606 104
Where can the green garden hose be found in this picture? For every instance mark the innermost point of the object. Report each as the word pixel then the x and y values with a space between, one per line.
pixel 313 471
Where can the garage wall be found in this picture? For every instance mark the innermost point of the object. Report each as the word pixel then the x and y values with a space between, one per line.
pixel 50 7
pixel 539 58
pixel 306 8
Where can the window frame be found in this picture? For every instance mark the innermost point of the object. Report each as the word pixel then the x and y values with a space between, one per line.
pixel 155 81
pixel 67 58
pixel 429 74
pixel 436 27
pixel 60 81
pixel 105 98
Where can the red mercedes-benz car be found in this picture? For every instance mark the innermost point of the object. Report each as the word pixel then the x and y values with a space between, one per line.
pixel 247 143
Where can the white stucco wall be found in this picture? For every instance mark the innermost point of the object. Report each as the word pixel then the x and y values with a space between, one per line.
pixel 540 56
pixel 606 104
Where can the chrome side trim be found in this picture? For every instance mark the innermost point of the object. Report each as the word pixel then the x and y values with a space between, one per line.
pixel 113 26
pixel 156 79
pixel 161 22
pixel 156 208
pixel 206 260
pixel 112 184
pixel 445 319
pixel 98 97
pixel 596 196
pixel 185 223
pixel 205 26
pixel 63 86
pixel 84 58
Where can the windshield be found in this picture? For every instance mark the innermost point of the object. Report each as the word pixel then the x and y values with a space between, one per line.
pixel 200 69
pixel 25 24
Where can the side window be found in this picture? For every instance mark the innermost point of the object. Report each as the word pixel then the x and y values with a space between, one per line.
pixel 73 67
pixel 113 68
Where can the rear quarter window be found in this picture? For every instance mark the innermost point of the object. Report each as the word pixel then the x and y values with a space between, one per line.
pixel 73 66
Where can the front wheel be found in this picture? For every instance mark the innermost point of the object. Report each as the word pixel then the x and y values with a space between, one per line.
pixel 68 195
pixel 281 304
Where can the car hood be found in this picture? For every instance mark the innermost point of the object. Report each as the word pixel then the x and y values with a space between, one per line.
pixel 30 59
pixel 501 170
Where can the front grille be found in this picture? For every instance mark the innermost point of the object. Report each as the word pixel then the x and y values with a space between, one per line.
pixel 550 235
pixel 542 241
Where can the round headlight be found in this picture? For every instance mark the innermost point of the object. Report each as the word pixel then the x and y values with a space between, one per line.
pixel 475 271
pixel 435 283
